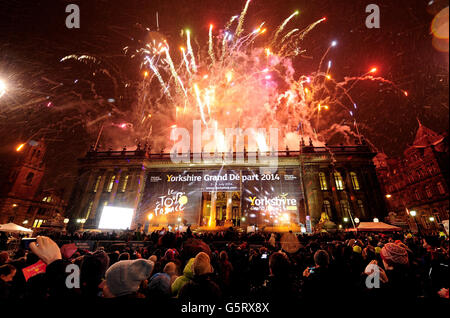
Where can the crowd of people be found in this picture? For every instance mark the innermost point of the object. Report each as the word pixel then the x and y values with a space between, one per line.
pixel 217 267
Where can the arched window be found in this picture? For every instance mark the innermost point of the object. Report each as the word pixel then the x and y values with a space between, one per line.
pixel 323 181
pixel 345 208
pixel 29 178
pixel 327 207
pixel 339 181
pixel 355 181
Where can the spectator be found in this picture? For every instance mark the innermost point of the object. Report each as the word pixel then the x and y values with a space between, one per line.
pixel 4 258
pixel 201 289
pixel 187 276
pixel 7 273
pixel 124 278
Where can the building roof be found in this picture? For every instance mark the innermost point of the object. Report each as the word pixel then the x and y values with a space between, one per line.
pixel 426 137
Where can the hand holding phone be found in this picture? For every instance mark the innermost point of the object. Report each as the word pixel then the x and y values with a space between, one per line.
pixel 25 242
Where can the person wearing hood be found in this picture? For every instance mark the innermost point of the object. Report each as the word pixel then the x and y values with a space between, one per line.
pixel 187 276
pixel 201 289
pixel 123 279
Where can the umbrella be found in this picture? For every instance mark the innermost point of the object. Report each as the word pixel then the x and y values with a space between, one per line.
pixel 14 228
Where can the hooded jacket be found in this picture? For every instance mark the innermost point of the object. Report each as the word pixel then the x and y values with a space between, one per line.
pixel 187 276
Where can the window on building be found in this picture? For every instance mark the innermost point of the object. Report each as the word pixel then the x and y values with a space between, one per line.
pixel 428 192
pixel 338 180
pixel 37 223
pixel 323 181
pixel 440 187
pixel 29 178
pixel 111 183
pixel 96 184
pixel 123 188
pixel 345 208
pixel 361 208
pixel 327 207
pixel 417 195
pixel 355 181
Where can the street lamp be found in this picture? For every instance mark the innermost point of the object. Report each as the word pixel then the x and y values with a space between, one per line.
pixel 66 221
pixel 356 220
pixel 431 218
pixel 412 213
pixel 345 219
pixel 376 220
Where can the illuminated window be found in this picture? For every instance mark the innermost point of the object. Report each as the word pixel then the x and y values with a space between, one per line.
pixel 355 181
pixel 327 207
pixel 123 188
pixel 361 208
pixel 323 181
pixel 111 184
pixel 440 187
pixel 345 208
pixel 339 181
pixel 97 183
pixel 37 223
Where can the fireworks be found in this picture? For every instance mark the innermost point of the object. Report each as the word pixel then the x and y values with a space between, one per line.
pixel 240 78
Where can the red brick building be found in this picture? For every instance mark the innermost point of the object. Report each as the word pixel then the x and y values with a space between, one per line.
pixel 416 186
pixel 22 200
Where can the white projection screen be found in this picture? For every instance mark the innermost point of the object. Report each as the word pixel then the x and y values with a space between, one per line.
pixel 116 218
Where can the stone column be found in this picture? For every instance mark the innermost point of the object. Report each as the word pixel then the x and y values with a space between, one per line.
pixel 228 221
pixel 212 214
pixel 98 195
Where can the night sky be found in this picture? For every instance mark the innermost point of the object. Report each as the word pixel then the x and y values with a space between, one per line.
pixel 44 93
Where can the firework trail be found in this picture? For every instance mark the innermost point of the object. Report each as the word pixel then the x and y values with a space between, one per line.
pixel 239 79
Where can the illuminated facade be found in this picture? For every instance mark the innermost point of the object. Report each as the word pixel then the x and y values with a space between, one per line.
pixel 337 180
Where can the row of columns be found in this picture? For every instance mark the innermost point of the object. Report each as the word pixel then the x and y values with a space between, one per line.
pixel 212 214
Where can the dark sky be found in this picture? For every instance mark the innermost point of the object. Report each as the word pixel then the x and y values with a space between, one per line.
pixel 33 38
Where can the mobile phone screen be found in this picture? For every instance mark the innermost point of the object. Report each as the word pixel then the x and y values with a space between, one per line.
pixel 25 243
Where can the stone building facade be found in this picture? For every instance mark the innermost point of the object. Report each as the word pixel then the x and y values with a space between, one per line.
pixel 339 181
pixel 418 181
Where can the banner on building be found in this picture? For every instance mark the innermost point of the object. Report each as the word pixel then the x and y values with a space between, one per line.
pixel 175 197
